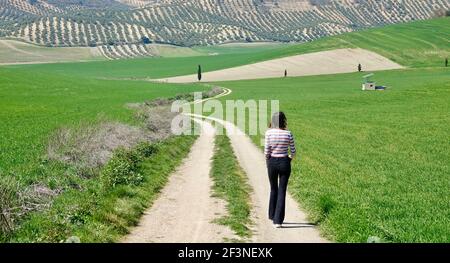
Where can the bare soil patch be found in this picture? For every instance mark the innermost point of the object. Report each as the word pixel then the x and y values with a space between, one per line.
pixel 317 63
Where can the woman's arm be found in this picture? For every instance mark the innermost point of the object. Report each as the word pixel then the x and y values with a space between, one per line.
pixel 292 145
pixel 267 148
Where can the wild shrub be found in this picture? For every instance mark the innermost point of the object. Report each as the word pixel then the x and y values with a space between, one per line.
pixel 146 149
pixel 91 146
pixel 81 213
pixel 123 168
pixel 17 202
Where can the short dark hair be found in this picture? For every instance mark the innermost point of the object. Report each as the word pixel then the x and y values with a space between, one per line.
pixel 278 120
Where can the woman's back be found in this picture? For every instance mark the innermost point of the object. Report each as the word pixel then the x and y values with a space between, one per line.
pixel 278 142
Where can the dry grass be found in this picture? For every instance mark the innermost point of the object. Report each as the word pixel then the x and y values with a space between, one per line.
pixel 35 197
pixel 8 189
pixel 93 146
pixel 214 91
pixel 156 120
pixel 16 202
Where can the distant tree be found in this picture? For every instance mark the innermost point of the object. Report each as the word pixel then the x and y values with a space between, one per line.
pixel 199 73
pixel 285 73
pixel 111 42
pixel 248 39
pixel 359 67
pixel 446 62
pixel 146 40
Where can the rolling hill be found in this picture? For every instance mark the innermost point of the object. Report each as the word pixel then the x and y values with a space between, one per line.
pixel 122 29
pixel 413 45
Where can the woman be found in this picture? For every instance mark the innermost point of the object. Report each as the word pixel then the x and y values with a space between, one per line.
pixel 278 142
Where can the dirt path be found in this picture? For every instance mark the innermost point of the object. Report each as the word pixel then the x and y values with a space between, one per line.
pixel 317 63
pixel 184 210
pixel 297 228
pixel 225 92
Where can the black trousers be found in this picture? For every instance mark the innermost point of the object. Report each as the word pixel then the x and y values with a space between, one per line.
pixel 279 170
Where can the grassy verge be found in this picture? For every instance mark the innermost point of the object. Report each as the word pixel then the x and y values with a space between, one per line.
pixel 105 206
pixel 230 184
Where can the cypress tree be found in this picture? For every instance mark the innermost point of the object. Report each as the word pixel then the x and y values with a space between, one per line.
pixel 199 73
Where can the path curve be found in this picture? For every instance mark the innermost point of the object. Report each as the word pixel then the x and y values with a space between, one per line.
pixel 184 211
pixel 225 92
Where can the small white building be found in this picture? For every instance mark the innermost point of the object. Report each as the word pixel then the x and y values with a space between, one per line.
pixel 368 84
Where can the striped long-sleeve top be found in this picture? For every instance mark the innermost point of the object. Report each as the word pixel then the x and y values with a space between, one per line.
pixel 278 142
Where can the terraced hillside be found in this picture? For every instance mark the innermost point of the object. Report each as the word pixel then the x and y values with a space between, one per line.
pixel 123 28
